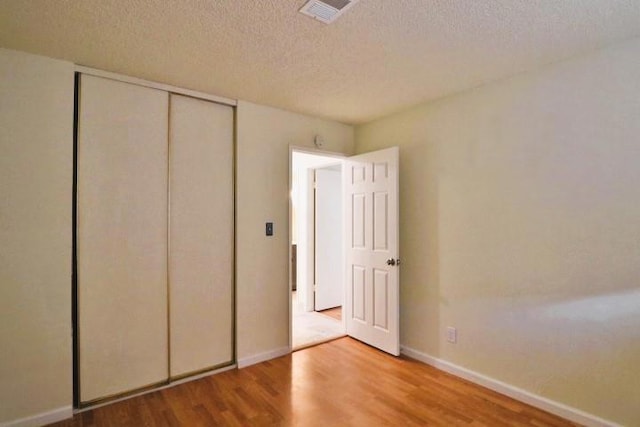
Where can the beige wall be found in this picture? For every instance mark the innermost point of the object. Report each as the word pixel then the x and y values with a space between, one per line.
pixel 36 150
pixel 520 226
pixel 263 140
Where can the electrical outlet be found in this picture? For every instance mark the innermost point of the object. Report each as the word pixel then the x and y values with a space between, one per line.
pixel 452 335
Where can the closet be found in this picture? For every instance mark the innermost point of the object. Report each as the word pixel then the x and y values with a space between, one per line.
pixel 154 237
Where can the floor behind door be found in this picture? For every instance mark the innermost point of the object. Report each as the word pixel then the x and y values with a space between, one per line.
pixel 310 328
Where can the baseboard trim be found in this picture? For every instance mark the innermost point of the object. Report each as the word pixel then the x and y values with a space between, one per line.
pixel 557 408
pixel 261 357
pixel 41 419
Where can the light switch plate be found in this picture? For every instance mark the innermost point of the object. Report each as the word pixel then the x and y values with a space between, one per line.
pixel 452 335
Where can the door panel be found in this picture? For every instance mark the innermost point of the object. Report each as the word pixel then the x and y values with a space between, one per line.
pixel 329 238
pixel 121 237
pixel 380 299
pixel 371 236
pixel 357 220
pixel 380 217
pixel 357 293
pixel 201 235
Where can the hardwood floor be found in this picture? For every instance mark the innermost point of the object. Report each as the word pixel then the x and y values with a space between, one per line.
pixel 335 313
pixel 339 383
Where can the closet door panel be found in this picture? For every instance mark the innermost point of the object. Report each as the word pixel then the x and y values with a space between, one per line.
pixel 201 235
pixel 122 237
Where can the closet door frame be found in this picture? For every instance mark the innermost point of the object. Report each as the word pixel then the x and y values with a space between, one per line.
pixel 82 70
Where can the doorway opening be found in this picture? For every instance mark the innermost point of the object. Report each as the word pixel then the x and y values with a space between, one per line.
pixel 316 230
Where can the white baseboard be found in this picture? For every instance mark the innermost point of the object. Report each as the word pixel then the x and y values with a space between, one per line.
pixel 557 408
pixel 42 418
pixel 261 357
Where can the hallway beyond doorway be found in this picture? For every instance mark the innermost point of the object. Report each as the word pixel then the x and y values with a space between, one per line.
pixel 311 328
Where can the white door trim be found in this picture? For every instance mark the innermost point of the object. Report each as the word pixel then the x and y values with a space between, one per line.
pixel 307 150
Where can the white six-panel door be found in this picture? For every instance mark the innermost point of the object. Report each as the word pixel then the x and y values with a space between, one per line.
pixel 201 235
pixel 121 237
pixel 370 183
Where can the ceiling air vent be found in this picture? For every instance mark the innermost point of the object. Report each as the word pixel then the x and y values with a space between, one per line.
pixel 326 10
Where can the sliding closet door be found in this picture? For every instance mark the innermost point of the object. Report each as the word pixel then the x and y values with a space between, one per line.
pixel 121 237
pixel 201 235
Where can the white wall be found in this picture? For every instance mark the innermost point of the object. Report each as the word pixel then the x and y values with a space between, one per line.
pixel 36 164
pixel 329 240
pixel 262 194
pixel 305 237
pixel 520 226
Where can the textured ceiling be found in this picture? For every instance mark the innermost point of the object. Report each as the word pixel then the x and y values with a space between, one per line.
pixel 379 57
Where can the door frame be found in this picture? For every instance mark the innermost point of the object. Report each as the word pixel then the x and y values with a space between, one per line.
pixel 317 152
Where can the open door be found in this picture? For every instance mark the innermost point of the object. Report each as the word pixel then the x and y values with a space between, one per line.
pixel 328 238
pixel 371 311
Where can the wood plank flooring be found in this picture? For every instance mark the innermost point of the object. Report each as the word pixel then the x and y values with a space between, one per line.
pixel 335 313
pixel 339 383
